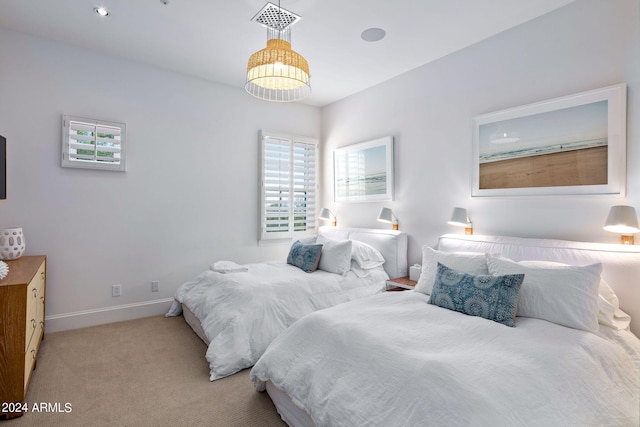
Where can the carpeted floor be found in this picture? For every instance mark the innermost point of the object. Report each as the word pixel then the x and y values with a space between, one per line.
pixel 145 372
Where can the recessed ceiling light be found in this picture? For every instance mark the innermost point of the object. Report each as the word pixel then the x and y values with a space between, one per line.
pixel 373 34
pixel 101 11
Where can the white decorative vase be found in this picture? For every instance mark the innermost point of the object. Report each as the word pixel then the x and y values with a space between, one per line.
pixel 12 244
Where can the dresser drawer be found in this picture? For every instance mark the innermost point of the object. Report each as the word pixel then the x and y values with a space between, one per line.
pixel 35 306
pixel 30 359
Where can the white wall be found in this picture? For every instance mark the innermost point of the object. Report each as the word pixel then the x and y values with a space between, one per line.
pixel 189 197
pixel 586 45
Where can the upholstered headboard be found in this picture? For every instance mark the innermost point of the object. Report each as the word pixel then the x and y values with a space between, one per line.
pixel 392 244
pixel 620 263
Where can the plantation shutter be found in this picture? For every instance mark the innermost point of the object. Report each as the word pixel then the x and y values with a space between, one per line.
pixel 304 186
pixel 288 186
pixel 94 144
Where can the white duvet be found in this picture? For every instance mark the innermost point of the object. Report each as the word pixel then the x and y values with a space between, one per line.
pixel 241 313
pixel 394 360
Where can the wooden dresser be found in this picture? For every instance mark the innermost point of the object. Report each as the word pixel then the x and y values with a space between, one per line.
pixel 22 303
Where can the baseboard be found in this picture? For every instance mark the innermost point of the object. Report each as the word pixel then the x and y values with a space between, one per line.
pixel 100 316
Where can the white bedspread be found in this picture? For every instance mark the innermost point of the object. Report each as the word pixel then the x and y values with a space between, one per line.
pixel 394 360
pixel 241 313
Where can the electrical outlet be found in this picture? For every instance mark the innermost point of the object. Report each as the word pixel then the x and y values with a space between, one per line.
pixel 116 290
pixel 155 286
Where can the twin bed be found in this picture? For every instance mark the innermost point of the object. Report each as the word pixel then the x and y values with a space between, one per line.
pixel 400 358
pixel 237 310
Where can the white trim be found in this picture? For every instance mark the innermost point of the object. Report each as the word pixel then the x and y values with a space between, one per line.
pixel 99 316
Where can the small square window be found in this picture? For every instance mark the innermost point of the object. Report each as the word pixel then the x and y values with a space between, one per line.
pixel 93 144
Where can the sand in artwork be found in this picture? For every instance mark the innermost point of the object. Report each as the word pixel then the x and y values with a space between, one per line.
pixel 587 166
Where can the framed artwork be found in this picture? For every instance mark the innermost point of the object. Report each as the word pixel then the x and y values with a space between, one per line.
pixel 364 172
pixel 565 146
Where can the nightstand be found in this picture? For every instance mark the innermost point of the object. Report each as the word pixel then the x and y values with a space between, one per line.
pixel 400 284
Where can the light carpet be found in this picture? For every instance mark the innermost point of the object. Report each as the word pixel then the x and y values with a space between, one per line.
pixel 144 372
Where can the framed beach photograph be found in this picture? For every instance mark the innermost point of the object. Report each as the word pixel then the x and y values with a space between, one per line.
pixel 363 172
pixel 565 146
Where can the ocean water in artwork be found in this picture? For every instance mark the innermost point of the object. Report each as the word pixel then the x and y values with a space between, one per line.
pixel 364 185
pixel 546 149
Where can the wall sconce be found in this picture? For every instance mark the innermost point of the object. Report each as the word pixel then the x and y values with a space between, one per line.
pixel 623 220
pixel 460 217
pixel 326 214
pixel 386 215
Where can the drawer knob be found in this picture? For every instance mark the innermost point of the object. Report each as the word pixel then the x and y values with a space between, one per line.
pixel 35 292
pixel 33 323
pixel 33 354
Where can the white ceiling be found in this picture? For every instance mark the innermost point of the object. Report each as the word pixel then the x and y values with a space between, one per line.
pixel 213 39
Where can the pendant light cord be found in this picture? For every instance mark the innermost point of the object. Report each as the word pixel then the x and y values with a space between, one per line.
pixel 279 21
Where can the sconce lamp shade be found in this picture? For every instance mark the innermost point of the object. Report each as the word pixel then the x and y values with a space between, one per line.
pixel 386 215
pixel 460 218
pixel 623 220
pixel 326 214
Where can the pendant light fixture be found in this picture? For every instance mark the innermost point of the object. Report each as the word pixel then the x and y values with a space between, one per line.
pixel 277 73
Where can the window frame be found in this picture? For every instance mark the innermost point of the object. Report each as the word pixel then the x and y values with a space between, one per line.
pixel 310 215
pixel 68 162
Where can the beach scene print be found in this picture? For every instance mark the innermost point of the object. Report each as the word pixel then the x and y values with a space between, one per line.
pixel 565 147
pixel 361 173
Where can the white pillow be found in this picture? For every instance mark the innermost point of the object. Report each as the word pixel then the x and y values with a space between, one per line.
pixel 563 294
pixel 308 240
pixel 363 272
pixel 366 256
pixel 466 262
pixel 336 255
pixel 609 313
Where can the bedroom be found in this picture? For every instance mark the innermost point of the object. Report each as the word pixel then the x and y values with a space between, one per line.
pixel 165 218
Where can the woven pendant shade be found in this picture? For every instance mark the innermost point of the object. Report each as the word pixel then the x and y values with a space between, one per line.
pixel 278 73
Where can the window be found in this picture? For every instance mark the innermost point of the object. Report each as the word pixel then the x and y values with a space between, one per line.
pixel 93 144
pixel 288 202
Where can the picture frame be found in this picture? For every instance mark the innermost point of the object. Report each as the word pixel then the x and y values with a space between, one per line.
pixel 363 172
pixel 573 145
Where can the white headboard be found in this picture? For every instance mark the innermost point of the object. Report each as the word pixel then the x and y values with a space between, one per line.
pixel 620 263
pixel 392 244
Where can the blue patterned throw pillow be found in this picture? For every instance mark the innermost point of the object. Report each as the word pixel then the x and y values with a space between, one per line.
pixel 492 297
pixel 305 257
